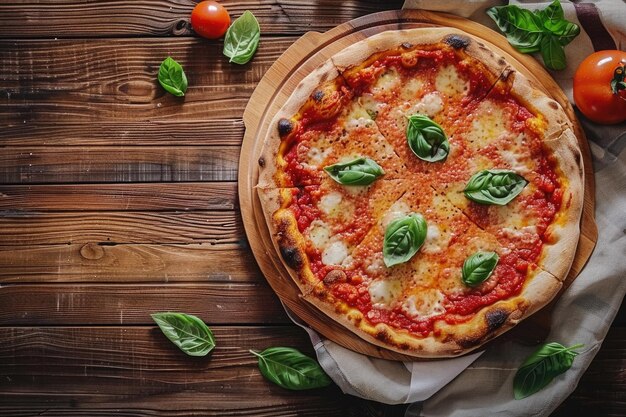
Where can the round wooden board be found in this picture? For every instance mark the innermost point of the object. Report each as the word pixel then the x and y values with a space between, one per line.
pixel 276 86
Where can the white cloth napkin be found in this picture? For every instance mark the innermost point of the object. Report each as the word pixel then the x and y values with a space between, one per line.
pixel 481 384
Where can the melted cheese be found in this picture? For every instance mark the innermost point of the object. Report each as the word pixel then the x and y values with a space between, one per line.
pixel 397 210
pixel 430 105
pixel 488 125
pixel 335 253
pixel 319 234
pixel 449 82
pixel 435 241
pixel 513 162
pixel 412 88
pixel 330 202
pixel 384 292
pixel 316 156
pixel 388 81
pixel 425 304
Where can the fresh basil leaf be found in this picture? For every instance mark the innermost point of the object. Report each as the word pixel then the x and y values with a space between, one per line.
pixel 427 139
pixel 522 28
pixel 187 332
pixel 478 267
pixel 552 13
pixel 403 238
pixel 552 53
pixel 360 171
pixel 494 186
pixel 547 362
pixel 291 369
pixel 242 38
pixel 172 77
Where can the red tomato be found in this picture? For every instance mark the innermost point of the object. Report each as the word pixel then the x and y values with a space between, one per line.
pixel 593 92
pixel 210 19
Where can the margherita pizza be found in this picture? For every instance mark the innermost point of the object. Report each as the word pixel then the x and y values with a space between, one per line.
pixel 422 192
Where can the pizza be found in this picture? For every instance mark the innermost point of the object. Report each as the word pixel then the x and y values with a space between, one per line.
pixel 422 192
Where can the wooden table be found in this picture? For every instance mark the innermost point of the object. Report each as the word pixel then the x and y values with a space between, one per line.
pixel 118 200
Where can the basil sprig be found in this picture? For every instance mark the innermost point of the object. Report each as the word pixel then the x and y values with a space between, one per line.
pixel 187 332
pixel 359 171
pixel 242 38
pixel 494 186
pixel 403 238
pixel 546 31
pixel 427 139
pixel 291 369
pixel 478 268
pixel 549 361
pixel 172 77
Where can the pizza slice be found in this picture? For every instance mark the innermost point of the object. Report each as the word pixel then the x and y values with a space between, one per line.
pixel 428 303
pixel 317 227
pixel 442 75
pixel 321 126
pixel 516 174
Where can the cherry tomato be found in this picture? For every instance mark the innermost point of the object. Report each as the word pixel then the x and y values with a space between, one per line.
pixel 599 88
pixel 210 19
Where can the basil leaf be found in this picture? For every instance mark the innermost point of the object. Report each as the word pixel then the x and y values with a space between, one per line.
pixel 242 38
pixel 291 369
pixel 172 77
pixel 523 28
pixel 360 171
pixel 403 238
pixel 494 186
pixel 553 20
pixel 552 53
pixel 478 267
pixel 187 332
pixel 551 14
pixel 549 361
pixel 427 139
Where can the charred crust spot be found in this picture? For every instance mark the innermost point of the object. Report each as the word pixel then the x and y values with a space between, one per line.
pixel 285 126
pixel 318 95
pixel 407 45
pixel 383 336
pixel 553 105
pixel 262 161
pixel 457 41
pixel 495 319
pixel 291 256
pixel 333 276
pixel 501 62
pixel 404 346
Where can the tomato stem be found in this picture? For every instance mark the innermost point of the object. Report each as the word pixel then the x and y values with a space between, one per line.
pixel 617 83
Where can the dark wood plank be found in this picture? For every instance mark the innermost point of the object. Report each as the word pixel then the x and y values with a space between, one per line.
pixel 137 371
pixel 32 228
pixel 132 304
pixel 119 197
pixel 122 132
pixel 115 80
pixel 118 164
pixel 102 263
pixel 161 18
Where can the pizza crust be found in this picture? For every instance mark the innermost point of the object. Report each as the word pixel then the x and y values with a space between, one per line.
pixel 564 232
pixel 270 151
pixel 361 53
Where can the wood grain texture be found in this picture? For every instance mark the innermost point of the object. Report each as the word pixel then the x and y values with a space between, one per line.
pixel 133 133
pixel 32 228
pixel 100 370
pixel 105 263
pixel 119 197
pixel 115 80
pixel 132 304
pixel 94 164
pixel 162 18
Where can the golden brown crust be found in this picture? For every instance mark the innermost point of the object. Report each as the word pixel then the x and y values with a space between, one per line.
pixel 564 232
pixel 286 122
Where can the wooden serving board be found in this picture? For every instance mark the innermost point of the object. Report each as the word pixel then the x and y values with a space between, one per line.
pixel 277 85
